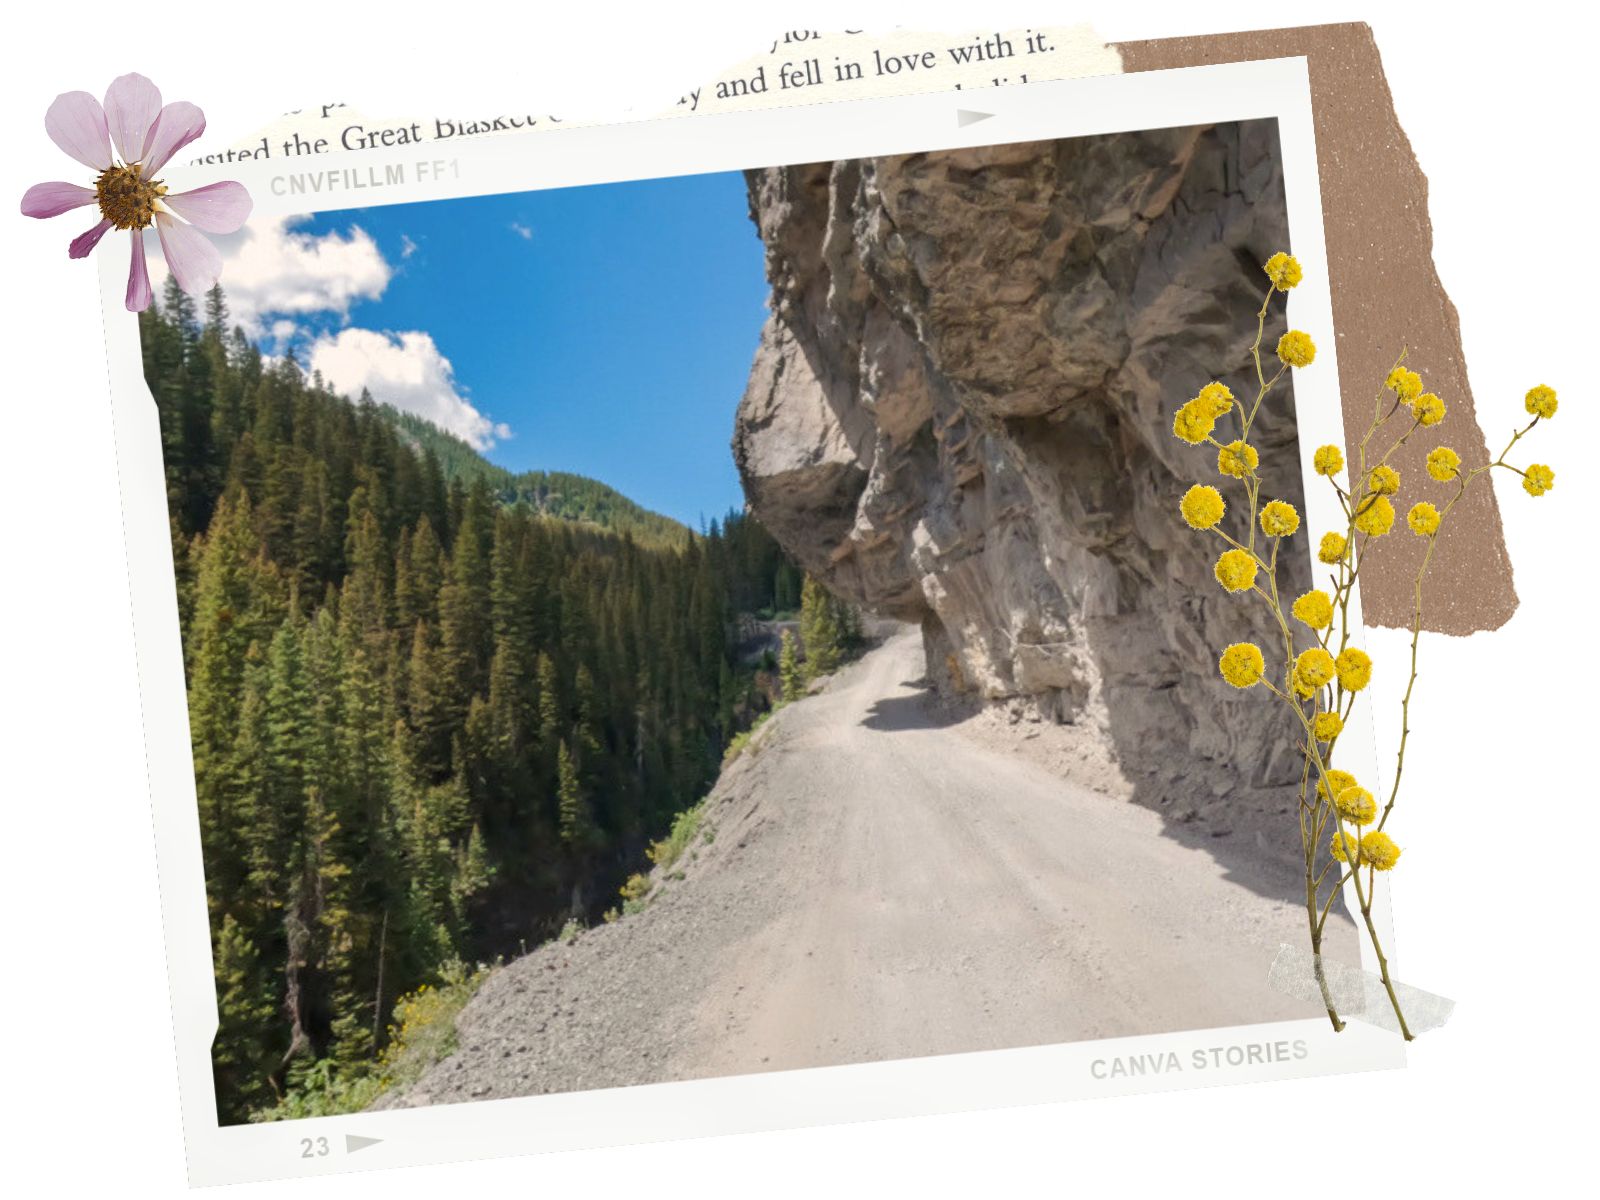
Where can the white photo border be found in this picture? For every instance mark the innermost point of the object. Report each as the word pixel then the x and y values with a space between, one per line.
pixel 1274 88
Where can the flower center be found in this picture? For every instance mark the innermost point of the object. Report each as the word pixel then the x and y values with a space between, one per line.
pixel 126 198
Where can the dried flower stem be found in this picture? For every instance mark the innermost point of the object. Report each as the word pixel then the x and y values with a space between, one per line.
pixel 1319 687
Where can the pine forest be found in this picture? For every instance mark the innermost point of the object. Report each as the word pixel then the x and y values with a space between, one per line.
pixel 437 709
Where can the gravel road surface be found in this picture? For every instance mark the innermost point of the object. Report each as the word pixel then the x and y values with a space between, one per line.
pixel 877 886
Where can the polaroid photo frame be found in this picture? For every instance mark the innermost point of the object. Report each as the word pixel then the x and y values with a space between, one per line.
pixel 218 1153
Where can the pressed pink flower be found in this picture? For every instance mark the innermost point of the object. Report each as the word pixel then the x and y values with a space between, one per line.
pixel 135 125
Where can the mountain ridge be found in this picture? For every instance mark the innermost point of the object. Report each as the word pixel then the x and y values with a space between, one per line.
pixel 564 495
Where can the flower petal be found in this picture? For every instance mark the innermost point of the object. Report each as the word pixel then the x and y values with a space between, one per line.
pixel 195 263
pixel 179 124
pixel 53 199
pixel 139 294
pixel 132 105
pixel 77 123
pixel 87 241
pixel 216 208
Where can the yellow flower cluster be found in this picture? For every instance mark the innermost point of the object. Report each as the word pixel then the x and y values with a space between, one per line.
pixel 1332 549
pixel 1345 846
pixel 1216 397
pixel 1284 271
pixel 1338 780
pixel 1279 519
pixel 1355 669
pixel 1237 459
pixel 1384 480
pixel 1356 805
pixel 1538 479
pixel 1377 518
pixel 1541 401
pixel 1236 570
pixel 1312 670
pixel 1428 409
pixel 1194 421
pixel 1315 609
pixel 1296 349
pixel 1328 460
pixel 1443 464
pixel 1191 425
pixel 1376 849
pixel 1326 726
pixel 1202 506
pixel 1423 519
pixel 1379 849
pixel 1241 664
pixel 1405 384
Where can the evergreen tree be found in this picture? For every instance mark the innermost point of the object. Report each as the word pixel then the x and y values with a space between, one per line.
pixel 820 629
pixel 576 828
pixel 431 703
pixel 551 724
pixel 789 672
pixel 242 1052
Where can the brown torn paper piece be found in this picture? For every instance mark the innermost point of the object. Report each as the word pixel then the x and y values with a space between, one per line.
pixel 1386 297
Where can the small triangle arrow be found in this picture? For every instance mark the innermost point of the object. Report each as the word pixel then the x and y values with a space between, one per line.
pixel 965 117
pixel 352 1143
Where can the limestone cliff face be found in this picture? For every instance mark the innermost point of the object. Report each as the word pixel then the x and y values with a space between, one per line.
pixel 960 415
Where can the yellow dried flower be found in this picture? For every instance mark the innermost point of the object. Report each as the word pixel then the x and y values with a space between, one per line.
pixel 1214 398
pixel 1332 549
pixel 1315 608
pixel 1202 506
pixel 1377 518
pixel 1314 666
pixel 1423 519
pixel 1241 664
pixel 1541 401
pixel 1237 459
pixel 1354 668
pixel 1279 519
pixel 1296 349
pixel 1326 726
pixel 1236 570
pixel 1538 480
pixel 1345 847
pixel 1443 464
pixel 1284 271
pixel 1405 384
pixel 1313 669
pixel 1339 780
pixel 1193 423
pixel 1328 460
pixel 1379 849
pixel 1356 805
pixel 1384 480
pixel 1428 409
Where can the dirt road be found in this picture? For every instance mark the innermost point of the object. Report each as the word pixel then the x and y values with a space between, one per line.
pixel 880 887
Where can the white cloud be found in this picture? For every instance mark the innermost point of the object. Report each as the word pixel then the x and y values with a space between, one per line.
pixel 407 371
pixel 270 269
pixel 274 273
pixel 522 231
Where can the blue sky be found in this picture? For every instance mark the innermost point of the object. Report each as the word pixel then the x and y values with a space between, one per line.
pixel 604 330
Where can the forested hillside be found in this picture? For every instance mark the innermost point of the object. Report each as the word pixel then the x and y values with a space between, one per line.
pixel 554 493
pixel 429 720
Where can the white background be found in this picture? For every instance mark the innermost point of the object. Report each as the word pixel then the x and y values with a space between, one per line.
pixel 1493 901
